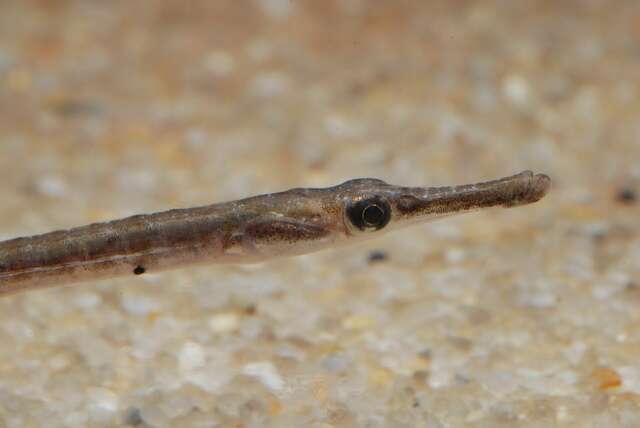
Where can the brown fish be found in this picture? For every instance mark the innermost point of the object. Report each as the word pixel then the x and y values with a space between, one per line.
pixel 297 221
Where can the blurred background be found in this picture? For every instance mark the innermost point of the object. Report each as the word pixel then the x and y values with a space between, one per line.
pixel 524 317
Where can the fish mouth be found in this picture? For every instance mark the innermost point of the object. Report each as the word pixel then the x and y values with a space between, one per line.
pixel 527 188
pixel 520 189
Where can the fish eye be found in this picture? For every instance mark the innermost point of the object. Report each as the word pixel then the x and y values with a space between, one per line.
pixel 369 214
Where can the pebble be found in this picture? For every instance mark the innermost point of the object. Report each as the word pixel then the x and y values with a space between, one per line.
pixel 377 256
pixel 276 9
pixel 575 352
pixel 516 89
pixel 59 362
pixel 627 195
pixel 357 322
pixel 191 356
pixel 139 305
pixel 613 284
pixel 87 300
pixel 52 186
pixel 631 376
pixel 266 373
pixel 606 378
pixel 103 400
pixel 455 255
pixel 133 417
pixel 336 362
pixel 271 84
pixel 539 300
pixel 225 322
pixel 562 413
pixel 342 127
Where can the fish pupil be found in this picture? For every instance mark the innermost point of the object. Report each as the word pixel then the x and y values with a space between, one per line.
pixel 372 215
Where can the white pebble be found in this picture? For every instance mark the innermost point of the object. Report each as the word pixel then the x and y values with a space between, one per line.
pixel 137 180
pixel 516 89
pixel 87 300
pixel 270 84
pixel 225 322
pixel 103 400
pixel 342 127
pixel 192 356
pixel 266 373
pixel 568 377
pixel 139 305
pixel 455 255
pixel 446 230
pixel 562 413
pixel 440 379
pixel 631 378
pixel 276 9
pixel 539 299
pixel 336 363
pixel 575 352
pixel 52 186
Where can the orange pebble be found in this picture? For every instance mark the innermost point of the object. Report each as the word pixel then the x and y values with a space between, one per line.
pixel 606 378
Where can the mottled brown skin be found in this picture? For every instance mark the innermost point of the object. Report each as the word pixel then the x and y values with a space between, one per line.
pixel 255 229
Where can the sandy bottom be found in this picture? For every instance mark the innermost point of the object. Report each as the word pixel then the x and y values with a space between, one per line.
pixel 527 317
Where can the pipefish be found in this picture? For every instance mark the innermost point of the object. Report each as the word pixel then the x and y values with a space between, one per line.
pixel 255 229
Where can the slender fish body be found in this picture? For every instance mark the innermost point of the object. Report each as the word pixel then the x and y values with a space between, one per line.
pixel 255 229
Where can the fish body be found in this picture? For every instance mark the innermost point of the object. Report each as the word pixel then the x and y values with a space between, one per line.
pixel 255 229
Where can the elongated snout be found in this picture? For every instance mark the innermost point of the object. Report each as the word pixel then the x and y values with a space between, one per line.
pixel 425 203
